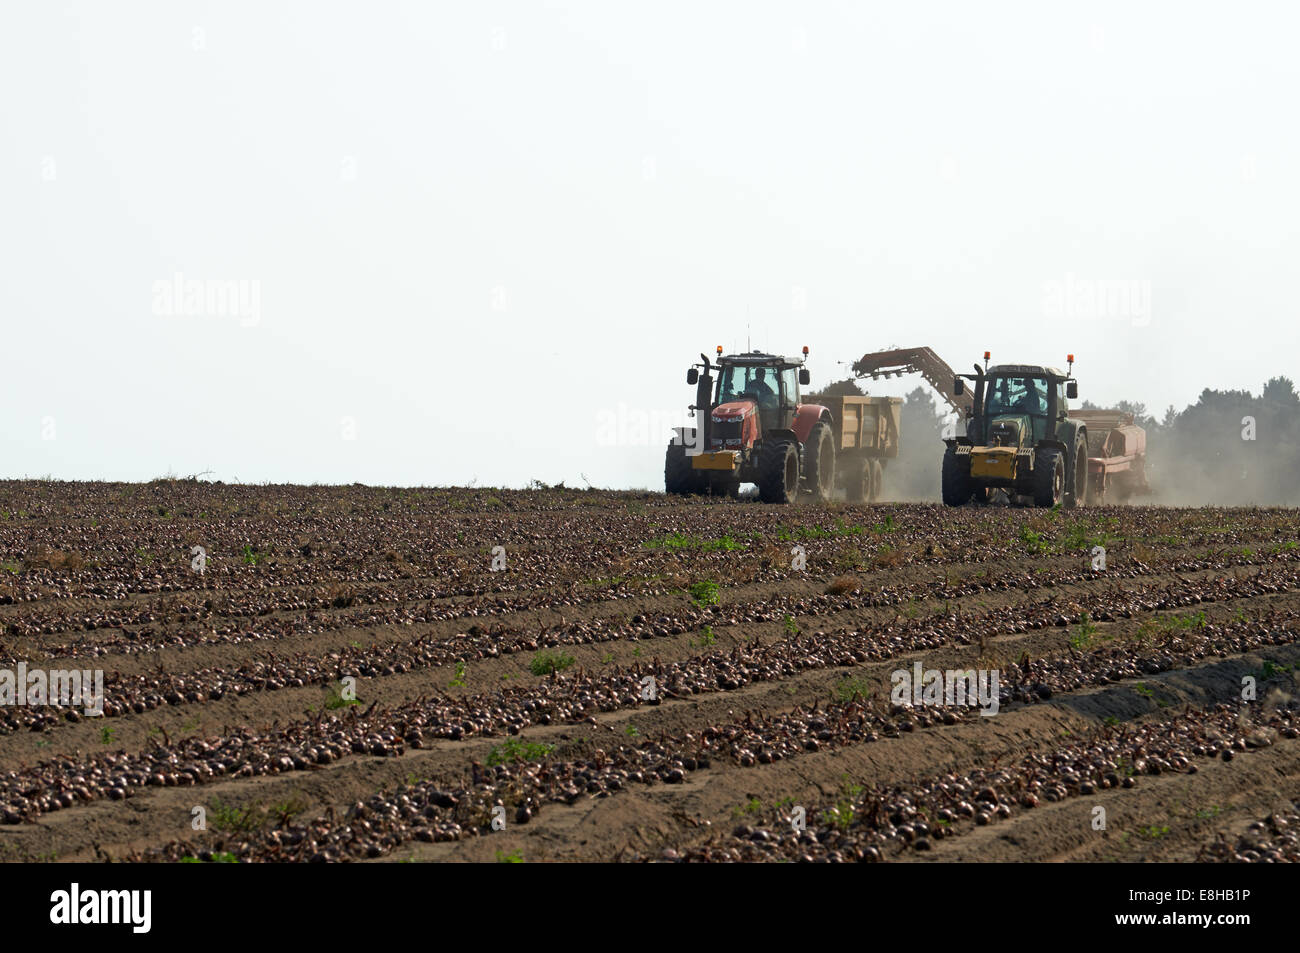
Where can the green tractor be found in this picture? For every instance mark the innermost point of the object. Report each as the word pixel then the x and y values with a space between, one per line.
pixel 1019 438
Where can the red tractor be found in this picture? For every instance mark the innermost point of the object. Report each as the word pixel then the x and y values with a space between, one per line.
pixel 755 431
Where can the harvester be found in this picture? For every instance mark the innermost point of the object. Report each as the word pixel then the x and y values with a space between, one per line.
pixel 1117 450
pixel 756 428
pixel 913 360
pixel 1021 437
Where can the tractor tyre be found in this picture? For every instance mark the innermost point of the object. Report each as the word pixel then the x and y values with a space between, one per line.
pixel 679 477
pixel 857 478
pixel 956 483
pixel 877 480
pixel 1049 478
pixel 818 463
pixel 778 471
pixel 1077 495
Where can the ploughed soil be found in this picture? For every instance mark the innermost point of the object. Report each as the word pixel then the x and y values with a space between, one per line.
pixel 449 674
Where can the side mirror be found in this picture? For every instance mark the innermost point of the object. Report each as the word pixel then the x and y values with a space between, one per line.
pixel 1072 390
pixel 692 376
pixel 958 386
pixel 804 378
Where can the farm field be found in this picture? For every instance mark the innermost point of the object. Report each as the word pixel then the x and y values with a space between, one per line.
pixel 645 679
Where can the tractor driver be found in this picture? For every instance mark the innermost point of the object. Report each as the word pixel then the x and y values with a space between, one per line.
pixel 1032 401
pixel 761 389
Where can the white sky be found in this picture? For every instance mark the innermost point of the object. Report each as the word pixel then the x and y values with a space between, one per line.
pixel 474 228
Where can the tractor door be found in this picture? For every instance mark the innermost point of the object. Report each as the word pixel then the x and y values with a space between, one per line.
pixel 789 397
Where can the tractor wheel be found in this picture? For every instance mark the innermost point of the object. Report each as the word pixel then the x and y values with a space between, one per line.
pixel 1049 478
pixel 877 480
pixel 857 478
pixel 818 463
pixel 957 488
pixel 679 477
pixel 778 471
pixel 1078 493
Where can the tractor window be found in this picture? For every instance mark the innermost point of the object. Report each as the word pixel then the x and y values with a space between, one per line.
pixel 1016 395
pixel 759 384
pixel 790 386
pixel 731 383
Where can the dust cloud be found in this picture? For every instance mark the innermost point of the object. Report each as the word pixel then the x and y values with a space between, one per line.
pixel 1230 448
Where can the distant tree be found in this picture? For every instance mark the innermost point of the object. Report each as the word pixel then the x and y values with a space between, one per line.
pixel 845 388
pixel 1231 447
pixel 1138 410
pixel 1281 392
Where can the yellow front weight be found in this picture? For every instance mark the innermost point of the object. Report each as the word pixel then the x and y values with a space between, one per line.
pixel 722 460
pixel 997 463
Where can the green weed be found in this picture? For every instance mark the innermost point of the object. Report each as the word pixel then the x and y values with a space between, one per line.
pixel 705 593
pixel 517 750
pixel 550 661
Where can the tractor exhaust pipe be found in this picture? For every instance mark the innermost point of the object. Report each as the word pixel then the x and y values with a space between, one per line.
pixel 704 404
pixel 977 408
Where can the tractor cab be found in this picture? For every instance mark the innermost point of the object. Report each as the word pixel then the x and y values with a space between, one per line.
pixel 769 384
pixel 1016 405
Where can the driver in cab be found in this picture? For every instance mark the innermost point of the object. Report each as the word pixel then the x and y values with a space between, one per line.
pixel 1032 400
pixel 763 392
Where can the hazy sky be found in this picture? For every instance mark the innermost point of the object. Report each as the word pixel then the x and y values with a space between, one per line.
pixel 485 240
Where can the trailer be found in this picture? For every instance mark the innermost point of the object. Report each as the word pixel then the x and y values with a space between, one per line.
pixel 865 435
pixel 1117 449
